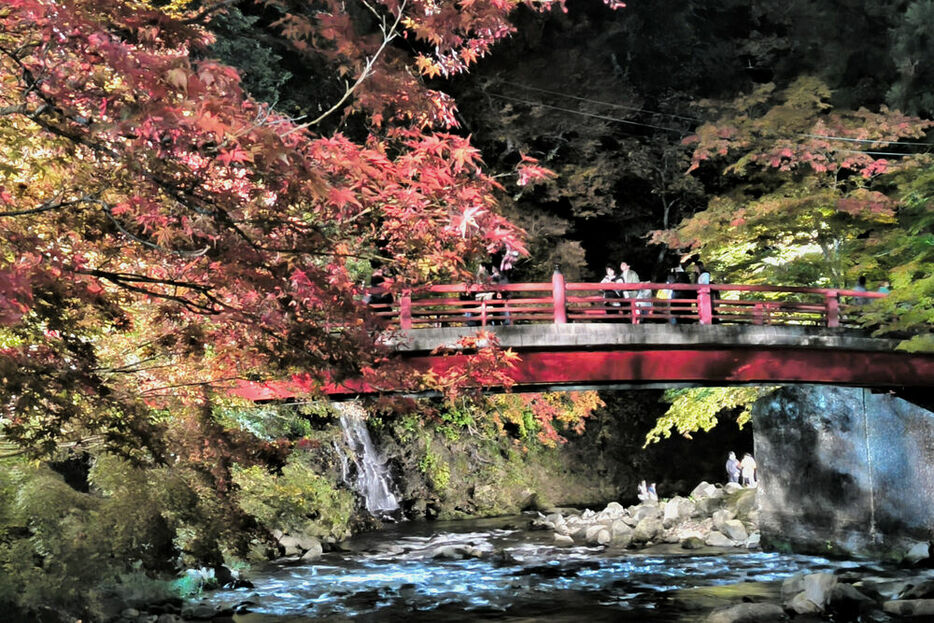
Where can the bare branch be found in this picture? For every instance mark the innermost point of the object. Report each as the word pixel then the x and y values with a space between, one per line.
pixel 389 34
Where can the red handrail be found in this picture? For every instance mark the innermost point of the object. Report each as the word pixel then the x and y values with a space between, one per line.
pixel 559 302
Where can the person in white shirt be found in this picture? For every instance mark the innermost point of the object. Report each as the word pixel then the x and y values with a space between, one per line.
pixel 749 467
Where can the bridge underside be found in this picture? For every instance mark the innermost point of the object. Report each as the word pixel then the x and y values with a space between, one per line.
pixel 642 356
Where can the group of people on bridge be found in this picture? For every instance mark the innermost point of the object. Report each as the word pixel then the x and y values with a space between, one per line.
pixel 643 298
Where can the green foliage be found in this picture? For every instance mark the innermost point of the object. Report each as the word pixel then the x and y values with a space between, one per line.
pixel 435 469
pixel 296 499
pixel 698 408
pixel 905 255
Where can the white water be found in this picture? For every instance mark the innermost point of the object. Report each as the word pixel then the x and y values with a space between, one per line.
pixel 372 478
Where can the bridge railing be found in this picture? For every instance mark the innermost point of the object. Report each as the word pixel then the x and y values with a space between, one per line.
pixel 559 302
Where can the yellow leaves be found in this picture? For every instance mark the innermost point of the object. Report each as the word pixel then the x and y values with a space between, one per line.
pixel 427 67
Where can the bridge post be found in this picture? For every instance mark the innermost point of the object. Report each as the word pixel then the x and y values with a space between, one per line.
pixel 704 306
pixel 559 296
pixel 405 310
pixel 833 309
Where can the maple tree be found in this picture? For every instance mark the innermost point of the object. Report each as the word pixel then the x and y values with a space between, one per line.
pixel 804 187
pixel 162 231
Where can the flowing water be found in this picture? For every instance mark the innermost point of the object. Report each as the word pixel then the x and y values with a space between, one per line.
pixel 513 574
pixel 372 479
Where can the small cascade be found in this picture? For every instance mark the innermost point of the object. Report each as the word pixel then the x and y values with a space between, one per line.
pixel 372 477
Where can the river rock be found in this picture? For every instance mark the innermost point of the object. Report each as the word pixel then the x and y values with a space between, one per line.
pixel 747 613
pixel 818 587
pixel 597 535
pixel 646 530
pixel 646 511
pixel 562 540
pixel 168 618
pixel 734 529
pixel 130 613
pixel 705 490
pixel 753 541
pixel 620 533
pixel 720 517
pixel 800 604
pixel 314 551
pixel 677 510
pixel 718 539
pixel 709 505
pixel 297 544
pixel 732 487
pixel 614 510
pixel 910 607
pixel 199 612
pixel 791 587
pixel 920 550
pixel 692 542
pixel 924 590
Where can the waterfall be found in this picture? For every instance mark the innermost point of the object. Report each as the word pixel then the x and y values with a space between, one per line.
pixel 372 478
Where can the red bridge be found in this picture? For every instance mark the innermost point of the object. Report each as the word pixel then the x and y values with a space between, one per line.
pixel 576 335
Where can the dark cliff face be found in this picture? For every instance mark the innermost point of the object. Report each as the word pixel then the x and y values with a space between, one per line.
pixel 843 469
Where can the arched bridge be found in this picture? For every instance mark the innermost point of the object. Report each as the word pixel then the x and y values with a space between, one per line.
pixel 589 335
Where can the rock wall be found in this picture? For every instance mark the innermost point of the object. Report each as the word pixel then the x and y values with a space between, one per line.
pixel 843 470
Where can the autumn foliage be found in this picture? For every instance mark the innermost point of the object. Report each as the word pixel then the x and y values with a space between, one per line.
pixel 161 230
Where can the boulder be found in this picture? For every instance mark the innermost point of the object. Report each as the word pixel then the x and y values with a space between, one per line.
pixel 614 509
pixel 313 553
pixel 448 552
pixel 704 490
pixel 718 539
pixel 646 511
pixel 818 587
pixel 924 590
pixel 130 613
pixel 706 507
pixel 747 613
pixel 732 487
pixel 620 534
pixel 734 529
pixel 791 587
pixel 646 530
pixel 168 618
pixel 597 535
pixel 753 541
pixel 563 541
pixel 720 517
pixel 910 607
pixel 847 596
pixel 918 551
pixel 800 604
pixel 297 544
pixel 692 542
pixel 677 510
pixel 199 612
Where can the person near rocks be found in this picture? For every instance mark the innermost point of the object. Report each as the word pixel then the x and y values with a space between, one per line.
pixel 647 493
pixel 733 469
pixel 748 467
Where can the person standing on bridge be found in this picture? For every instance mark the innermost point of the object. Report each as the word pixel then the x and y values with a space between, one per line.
pixel 628 275
pixel 611 297
pixel 733 469
pixel 749 467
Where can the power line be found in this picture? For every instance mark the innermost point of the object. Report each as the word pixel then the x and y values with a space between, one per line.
pixel 681 132
pixel 593 101
pixel 585 114
pixel 698 119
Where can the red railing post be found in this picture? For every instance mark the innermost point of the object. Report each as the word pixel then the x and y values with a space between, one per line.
pixel 704 307
pixel 559 296
pixel 483 313
pixel 405 310
pixel 833 309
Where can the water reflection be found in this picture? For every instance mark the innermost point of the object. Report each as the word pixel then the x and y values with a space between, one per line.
pixel 509 574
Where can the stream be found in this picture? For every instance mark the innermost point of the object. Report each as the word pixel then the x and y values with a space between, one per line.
pixel 511 574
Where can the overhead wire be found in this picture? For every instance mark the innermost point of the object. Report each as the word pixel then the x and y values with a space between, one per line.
pixel 683 132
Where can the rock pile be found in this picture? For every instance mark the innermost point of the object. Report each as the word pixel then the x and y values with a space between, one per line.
pixel 712 515
pixel 842 596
